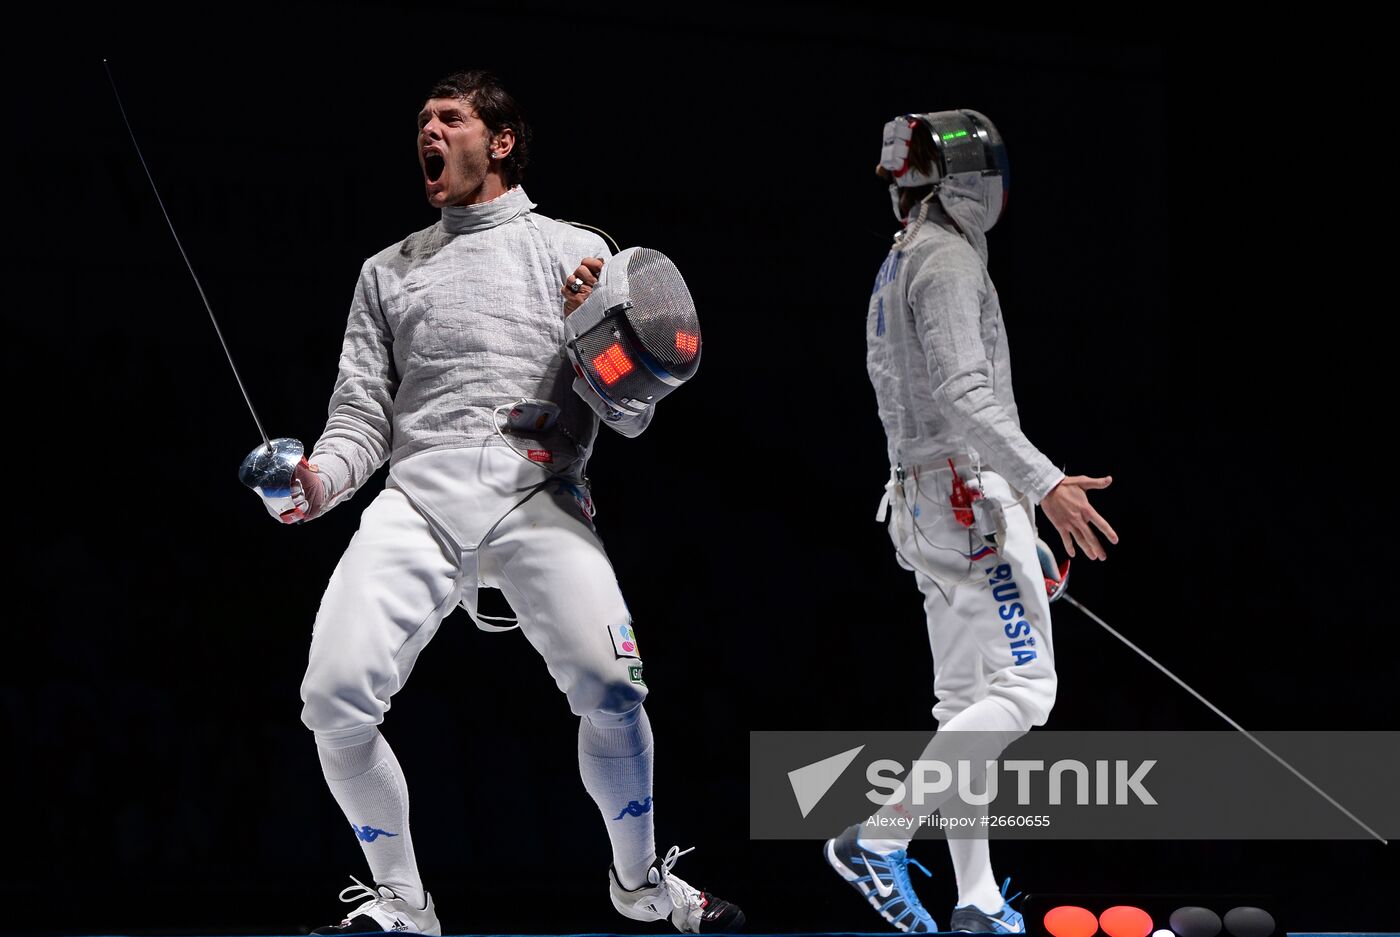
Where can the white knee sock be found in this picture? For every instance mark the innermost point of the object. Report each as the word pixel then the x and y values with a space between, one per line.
pixel 972 858
pixel 367 782
pixel 614 760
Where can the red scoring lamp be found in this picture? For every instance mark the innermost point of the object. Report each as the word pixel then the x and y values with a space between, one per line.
pixel 687 344
pixel 612 364
pixel 1069 920
pixel 1125 921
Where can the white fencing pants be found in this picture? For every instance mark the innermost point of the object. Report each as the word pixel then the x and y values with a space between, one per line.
pixel 989 628
pixel 424 545
pixel 987 612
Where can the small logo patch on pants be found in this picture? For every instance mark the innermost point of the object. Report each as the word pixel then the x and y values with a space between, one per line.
pixel 634 673
pixel 624 639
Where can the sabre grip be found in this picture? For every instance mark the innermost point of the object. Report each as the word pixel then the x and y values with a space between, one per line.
pixel 309 495
pixel 290 488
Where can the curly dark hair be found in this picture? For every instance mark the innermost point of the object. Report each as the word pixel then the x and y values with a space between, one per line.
pixel 496 108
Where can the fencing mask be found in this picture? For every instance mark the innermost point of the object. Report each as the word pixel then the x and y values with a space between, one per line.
pixel 964 141
pixel 635 338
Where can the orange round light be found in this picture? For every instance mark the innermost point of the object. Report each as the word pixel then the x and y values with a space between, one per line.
pixel 1067 920
pixel 1126 921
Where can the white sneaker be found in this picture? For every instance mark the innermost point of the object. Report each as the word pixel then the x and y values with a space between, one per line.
pixel 384 912
pixel 665 895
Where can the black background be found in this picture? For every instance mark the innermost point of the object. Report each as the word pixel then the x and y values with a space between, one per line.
pixel 1183 271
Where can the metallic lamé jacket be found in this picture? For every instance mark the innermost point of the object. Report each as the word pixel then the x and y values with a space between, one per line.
pixel 937 353
pixel 448 325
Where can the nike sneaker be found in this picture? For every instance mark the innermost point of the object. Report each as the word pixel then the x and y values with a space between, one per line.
pixel 384 912
pixel 691 910
pixel 974 920
pixel 882 880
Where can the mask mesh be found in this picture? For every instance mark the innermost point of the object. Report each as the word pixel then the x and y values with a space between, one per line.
pixel 663 315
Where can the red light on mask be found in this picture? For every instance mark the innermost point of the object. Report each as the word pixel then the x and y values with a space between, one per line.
pixel 687 345
pixel 612 364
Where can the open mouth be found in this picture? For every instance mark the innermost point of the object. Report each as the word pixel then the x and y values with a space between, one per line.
pixel 433 164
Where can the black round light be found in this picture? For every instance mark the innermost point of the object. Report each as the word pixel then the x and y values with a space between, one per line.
pixel 1195 922
pixel 1249 922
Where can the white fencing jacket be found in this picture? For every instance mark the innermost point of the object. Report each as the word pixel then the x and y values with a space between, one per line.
pixel 937 353
pixel 447 326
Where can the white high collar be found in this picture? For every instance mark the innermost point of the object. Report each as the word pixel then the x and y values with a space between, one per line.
pixel 465 219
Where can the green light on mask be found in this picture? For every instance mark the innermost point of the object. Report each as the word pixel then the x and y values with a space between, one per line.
pixel 956 135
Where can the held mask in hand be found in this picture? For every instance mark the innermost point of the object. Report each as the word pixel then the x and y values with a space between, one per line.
pixel 636 337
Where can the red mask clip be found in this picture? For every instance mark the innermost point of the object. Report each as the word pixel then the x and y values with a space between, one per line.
pixel 962 497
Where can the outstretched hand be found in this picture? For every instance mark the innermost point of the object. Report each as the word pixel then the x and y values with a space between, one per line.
pixel 1068 508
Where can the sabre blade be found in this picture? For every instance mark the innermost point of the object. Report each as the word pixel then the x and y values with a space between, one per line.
pixel 1221 713
pixel 199 286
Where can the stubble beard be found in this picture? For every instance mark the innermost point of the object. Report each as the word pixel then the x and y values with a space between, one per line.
pixel 473 174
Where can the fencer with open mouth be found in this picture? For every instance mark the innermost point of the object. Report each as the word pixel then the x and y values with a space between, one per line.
pixel 459 369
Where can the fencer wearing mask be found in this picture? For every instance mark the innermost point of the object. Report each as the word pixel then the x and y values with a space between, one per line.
pixel 960 500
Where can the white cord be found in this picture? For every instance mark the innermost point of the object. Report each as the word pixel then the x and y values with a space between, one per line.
pixel 938 581
pixel 580 224
pixel 912 228
pixel 496 425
